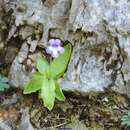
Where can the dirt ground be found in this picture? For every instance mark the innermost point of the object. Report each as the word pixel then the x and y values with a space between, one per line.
pixel 92 112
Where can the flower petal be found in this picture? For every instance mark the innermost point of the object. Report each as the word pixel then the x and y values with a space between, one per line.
pixel 58 42
pixel 55 54
pixel 61 49
pixel 49 49
pixel 51 42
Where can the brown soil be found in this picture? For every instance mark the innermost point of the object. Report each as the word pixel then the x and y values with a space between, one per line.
pixel 104 110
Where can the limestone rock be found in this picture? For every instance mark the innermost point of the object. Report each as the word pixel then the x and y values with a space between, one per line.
pixel 18 75
pixel 25 121
pixel 98 30
pixel 4 125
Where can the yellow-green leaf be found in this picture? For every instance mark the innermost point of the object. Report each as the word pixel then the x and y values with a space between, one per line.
pixel 35 83
pixel 58 91
pixel 59 65
pixel 47 93
pixel 42 65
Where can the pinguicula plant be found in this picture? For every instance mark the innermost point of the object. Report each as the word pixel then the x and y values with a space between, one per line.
pixel 45 80
pixel 125 120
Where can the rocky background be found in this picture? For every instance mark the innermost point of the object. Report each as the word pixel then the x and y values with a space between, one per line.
pixel 99 31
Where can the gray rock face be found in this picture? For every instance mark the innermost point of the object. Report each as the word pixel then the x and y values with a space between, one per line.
pixel 18 75
pixel 98 31
pixel 86 72
pixel 4 126
pixel 25 121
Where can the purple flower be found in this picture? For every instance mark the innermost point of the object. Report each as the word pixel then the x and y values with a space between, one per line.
pixel 54 48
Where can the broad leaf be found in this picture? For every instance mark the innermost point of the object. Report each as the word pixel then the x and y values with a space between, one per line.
pixel 35 83
pixel 3 86
pixel 3 79
pixel 48 93
pixel 3 83
pixel 127 122
pixel 124 118
pixel 59 65
pixel 42 65
pixel 58 91
pixel 129 113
